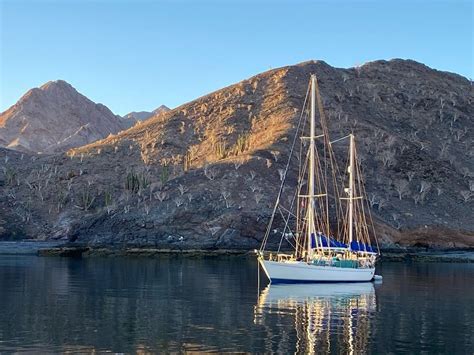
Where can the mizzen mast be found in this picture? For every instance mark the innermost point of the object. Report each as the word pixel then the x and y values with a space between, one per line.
pixel 351 188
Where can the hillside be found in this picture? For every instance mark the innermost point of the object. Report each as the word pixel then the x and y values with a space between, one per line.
pixel 54 118
pixel 205 174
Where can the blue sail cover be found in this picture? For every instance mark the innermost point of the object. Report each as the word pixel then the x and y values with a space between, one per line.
pixel 324 242
pixel 359 246
pixel 313 241
pixel 327 242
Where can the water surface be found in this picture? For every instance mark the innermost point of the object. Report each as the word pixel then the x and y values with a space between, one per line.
pixel 213 304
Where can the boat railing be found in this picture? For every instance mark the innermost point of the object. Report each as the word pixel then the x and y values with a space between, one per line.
pixel 285 257
pixel 334 261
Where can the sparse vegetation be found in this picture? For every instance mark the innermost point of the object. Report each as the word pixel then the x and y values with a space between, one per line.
pixel 220 150
pixel 401 186
pixel 242 144
pixel 164 174
pixel 86 199
pixel 108 201
pixel 136 182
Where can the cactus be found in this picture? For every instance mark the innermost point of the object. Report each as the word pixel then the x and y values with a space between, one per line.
pixel 132 184
pixel 136 181
pixel 108 201
pixel 164 175
pixel 108 198
pixel 220 150
pixel 10 175
pixel 242 144
pixel 187 161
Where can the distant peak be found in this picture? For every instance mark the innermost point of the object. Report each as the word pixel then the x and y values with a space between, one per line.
pixel 314 61
pixel 162 108
pixel 55 84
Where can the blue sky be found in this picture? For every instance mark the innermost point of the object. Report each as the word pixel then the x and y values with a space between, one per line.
pixel 137 55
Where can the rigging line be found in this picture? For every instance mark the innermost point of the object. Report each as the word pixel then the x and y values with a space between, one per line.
pixel 336 174
pixel 370 215
pixel 287 210
pixel 300 221
pixel 334 170
pixel 284 175
pixel 344 210
pixel 283 234
pixel 362 210
pixel 322 118
pixel 300 167
pixel 289 213
pixel 323 185
pixel 340 139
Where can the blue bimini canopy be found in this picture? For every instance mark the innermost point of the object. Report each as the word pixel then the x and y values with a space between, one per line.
pixel 361 247
pixel 323 240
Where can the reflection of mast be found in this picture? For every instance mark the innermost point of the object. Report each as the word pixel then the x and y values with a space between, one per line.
pixel 351 339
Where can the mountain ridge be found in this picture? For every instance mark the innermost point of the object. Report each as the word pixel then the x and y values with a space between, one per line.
pixel 136 116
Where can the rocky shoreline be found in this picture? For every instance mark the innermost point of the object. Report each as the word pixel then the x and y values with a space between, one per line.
pixel 49 249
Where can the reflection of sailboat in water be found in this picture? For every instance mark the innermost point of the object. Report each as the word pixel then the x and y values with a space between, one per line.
pixel 326 317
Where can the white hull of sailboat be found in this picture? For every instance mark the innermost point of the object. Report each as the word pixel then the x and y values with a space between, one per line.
pixel 298 272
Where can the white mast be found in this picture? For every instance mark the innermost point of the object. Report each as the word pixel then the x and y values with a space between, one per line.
pixel 351 188
pixel 311 164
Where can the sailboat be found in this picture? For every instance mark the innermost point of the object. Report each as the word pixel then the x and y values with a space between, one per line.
pixel 330 240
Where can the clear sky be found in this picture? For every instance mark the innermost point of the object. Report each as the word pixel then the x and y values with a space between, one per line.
pixel 137 55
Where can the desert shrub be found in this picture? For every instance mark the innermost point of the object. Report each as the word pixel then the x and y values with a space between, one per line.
pixel 10 175
pixel 86 199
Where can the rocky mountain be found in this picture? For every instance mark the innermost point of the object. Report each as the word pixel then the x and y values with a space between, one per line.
pixel 133 117
pixel 138 116
pixel 205 174
pixel 54 118
pixel 161 109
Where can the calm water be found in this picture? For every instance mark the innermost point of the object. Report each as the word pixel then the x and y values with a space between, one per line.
pixel 210 304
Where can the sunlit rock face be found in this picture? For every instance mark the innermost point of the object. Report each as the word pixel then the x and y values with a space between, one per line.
pixel 206 174
pixel 54 118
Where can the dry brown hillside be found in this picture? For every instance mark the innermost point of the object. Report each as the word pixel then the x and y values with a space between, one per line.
pixel 205 175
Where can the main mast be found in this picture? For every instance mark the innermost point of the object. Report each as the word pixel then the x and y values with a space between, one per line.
pixel 311 179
